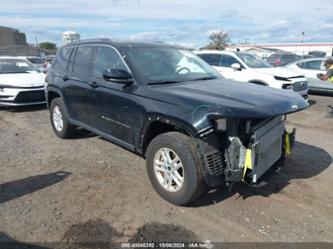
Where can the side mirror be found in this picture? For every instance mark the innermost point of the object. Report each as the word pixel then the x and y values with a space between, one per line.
pixel 118 76
pixel 236 66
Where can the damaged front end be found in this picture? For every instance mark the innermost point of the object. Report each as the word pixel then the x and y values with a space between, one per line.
pixel 238 150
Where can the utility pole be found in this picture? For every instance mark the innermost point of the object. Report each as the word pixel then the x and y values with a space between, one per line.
pixel 302 41
pixel 302 37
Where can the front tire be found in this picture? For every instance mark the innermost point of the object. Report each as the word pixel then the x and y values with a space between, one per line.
pixel 59 119
pixel 174 168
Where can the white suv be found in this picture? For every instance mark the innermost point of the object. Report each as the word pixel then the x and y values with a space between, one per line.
pixel 246 67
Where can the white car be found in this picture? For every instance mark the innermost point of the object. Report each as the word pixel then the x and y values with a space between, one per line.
pixel 310 68
pixel 246 67
pixel 21 83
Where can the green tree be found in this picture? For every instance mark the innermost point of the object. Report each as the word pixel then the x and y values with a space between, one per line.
pixel 219 39
pixel 47 45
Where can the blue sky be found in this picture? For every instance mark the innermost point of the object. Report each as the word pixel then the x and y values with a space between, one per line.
pixel 186 22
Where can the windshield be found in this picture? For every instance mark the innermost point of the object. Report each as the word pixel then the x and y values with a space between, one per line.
pixel 16 66
pixel 253 61
pixel 158 65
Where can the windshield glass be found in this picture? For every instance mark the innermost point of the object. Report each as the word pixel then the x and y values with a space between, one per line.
pixel 169 65
pixel 16 66
pixel 253 61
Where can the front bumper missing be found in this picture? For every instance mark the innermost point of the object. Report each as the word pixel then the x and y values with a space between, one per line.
pixel 249 164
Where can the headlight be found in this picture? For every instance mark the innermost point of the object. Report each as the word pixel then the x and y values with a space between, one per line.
pixel 287 86
pixel 281 78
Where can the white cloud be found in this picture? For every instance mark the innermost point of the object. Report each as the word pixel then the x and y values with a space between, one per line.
pixel 186 21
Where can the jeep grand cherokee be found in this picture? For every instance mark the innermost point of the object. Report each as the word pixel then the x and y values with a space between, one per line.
pixel 194 128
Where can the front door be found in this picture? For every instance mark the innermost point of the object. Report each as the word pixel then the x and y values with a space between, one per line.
pixel 224 67
pixel 115 110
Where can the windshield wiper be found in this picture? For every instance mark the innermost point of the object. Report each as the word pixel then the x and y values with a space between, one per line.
pixel 205 78
pixel 163 82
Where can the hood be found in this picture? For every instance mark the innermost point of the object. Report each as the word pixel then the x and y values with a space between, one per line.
pixel 278 71
pixel 232 99
pixel 23 79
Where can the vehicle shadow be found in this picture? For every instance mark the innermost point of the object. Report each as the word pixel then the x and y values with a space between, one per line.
pixel 10 243
pixel 15 189
pixel 81 133
pixel 312 102
pixel 18 109
pixel 307 161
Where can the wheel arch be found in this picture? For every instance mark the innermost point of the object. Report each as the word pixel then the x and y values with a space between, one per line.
pixel 156 124
pixel 51 94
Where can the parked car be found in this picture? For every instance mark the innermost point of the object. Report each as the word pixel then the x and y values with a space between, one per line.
pixel 281 59
pixel 48 62
pixel 21 83
pixel 246 67
pixel 310 68
pixel 162 102
pixel 37 61
pixel 317 53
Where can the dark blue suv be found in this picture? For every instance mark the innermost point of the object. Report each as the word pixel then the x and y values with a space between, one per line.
pixel 195 129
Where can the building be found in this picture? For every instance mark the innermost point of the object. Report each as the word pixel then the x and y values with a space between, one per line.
pixel 297 48
pixel 70 36
pixel 10 36
pixel 263 53
pixel 14 43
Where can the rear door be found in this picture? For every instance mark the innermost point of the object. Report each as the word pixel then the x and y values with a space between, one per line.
pixel 77 88
pixel 310 69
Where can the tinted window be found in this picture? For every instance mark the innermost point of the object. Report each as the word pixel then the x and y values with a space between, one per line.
pixel 312 65
pixel 211 59
pixel 71 60
pixel 290 57
pixel 227 61
pixel 36 60
pixel 61 60
pixel 106 58
pixel 83 60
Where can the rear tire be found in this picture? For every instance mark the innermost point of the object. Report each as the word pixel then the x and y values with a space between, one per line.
pixel 174 157
pixel 59 119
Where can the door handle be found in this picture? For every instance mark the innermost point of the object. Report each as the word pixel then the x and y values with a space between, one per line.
pixel 94 84
pixel 65 78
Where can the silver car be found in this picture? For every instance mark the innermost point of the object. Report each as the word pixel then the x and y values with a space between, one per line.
pixel 310 68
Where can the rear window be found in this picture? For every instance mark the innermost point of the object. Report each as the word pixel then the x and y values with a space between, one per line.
pixel 36 60
pixel 61 60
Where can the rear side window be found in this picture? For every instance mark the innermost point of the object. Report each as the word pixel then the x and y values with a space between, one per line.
pixel 106 58
pixel 312 65
pixel 290 57
pixel 227 61
pixel 61 60
pixel 211 59
pixel 83 60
